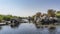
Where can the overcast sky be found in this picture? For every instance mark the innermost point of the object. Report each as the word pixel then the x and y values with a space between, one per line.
pixel 27 7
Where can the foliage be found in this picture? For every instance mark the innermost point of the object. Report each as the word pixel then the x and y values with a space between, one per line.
pixel 58 14
pixel 1 18
pixel 51 13
pixel 6 17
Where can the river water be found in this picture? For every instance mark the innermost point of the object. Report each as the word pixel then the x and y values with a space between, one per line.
pixel 27 28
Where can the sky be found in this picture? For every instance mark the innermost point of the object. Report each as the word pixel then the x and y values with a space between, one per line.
pixel 27 7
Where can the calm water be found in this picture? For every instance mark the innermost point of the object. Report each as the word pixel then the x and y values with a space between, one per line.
pixel 27 28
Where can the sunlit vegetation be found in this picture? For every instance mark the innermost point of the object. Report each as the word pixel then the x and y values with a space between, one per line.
pixel 58 14
pixel 6 17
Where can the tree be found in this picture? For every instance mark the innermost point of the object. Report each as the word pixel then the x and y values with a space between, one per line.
pixel 38 14
pixel 51 13
pixel 58 14
pixel 1 18
pixel 7 17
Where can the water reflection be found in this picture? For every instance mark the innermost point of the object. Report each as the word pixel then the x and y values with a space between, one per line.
pixel 27 28
pixel 0 28
pixel 52 31
pixel 37 26
pixel 15 25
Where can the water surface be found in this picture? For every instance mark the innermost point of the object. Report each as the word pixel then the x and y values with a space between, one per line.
pixel 27 28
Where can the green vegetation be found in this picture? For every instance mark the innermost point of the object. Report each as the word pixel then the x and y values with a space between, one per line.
pixel 6 17
pixel 58 14
pixel 50 13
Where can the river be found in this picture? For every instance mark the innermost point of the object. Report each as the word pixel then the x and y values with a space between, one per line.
pixel 27 28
